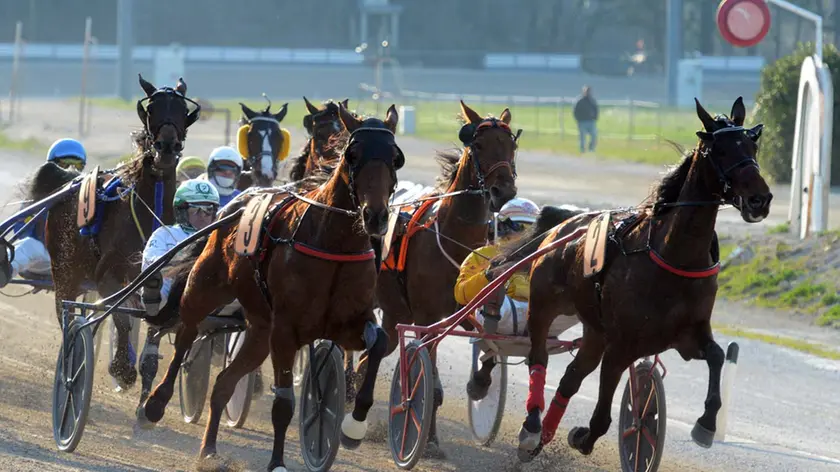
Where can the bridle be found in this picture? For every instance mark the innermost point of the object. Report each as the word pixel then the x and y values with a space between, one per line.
pixel 468 134
pixel 253 160
pixel 142 111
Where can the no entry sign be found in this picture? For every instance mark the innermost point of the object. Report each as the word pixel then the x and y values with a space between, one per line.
pixel 743 23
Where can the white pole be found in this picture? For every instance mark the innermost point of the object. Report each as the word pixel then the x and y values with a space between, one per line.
pixel 85 59
pixel 729 368
pixel 13 92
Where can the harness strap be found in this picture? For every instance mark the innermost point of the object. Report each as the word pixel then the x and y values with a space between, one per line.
pixel 691 274
pixel 440 246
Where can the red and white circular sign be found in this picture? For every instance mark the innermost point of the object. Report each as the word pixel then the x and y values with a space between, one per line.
pixel 743 23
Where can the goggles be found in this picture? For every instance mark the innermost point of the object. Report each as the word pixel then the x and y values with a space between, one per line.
pixel 206 209
pixel 68 162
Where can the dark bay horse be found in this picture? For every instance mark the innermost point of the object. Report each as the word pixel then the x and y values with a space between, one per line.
pixel 417 278
pixel 110 256
pixel 315 280
pixel 263 144
pixel 322 125
pixel 656 288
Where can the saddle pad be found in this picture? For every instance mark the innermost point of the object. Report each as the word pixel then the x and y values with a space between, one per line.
pixel 594 249
pixel 393 219
pixel 250 223
pixel 407 192
pixel 87 199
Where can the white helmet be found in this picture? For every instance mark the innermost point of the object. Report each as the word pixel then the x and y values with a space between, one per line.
pixel 520 210
pixel 221 157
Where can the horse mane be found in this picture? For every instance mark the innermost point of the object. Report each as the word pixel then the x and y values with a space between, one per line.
pixel 449 162
pixel 669 187
pixel 132 171
pixel 550 216
pixel 297 163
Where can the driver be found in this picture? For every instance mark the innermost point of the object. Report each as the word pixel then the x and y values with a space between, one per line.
pixel 30 254
pixel 224 167
pixel 196 203
pixel 504 312
pixel 190 167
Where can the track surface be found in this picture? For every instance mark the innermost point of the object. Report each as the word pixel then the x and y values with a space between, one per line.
pixel 783 416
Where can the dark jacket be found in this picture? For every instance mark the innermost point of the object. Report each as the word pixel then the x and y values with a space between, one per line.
pixel 586 109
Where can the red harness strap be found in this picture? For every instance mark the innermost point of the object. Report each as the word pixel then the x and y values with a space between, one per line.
pixel 304 248
pixel 691 274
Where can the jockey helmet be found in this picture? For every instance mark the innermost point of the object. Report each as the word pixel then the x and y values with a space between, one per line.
pixel 224 158
pixel 68 152
pixel 190 167
pixel 196 194
pixel 515 215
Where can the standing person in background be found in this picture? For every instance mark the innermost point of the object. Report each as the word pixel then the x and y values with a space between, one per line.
pixel 586 114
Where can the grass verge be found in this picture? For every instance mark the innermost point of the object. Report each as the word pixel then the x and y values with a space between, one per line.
pixel 636 135
pixel 814 349
pixel 29 145
pixel 785 273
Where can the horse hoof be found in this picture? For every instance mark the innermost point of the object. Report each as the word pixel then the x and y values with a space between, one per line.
pixel 142 421
pixel 528 441
pixel 476 389
pixel 433 450
pixel 702 436
pixel 349 443
pixel 124 374
pixel 153 410
pixel 576 439
pixel 525 456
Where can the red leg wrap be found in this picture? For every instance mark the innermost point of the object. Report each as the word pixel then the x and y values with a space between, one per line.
pixel 553 417
pixel 536 389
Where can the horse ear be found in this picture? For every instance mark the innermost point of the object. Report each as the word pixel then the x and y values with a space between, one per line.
pixel 310 107
pixel 755 132
pixel 346 103
pixel 181 87
pixel 705 117
pixel 350 122
pixel 506 116
pixel 282 113
pixel 249 114
pixel 739 112
pixel 147 87
pixel 392 118
pixel 471 116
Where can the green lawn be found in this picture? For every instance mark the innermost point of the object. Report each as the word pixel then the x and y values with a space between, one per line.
pixel 638 134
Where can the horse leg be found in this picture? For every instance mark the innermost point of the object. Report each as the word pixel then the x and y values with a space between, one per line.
pixel 433 445
pixel 480 380
pixel 614 364
pixel 149 359
pixel 354 425
pixel 121 367
pixel 283 349
pixel 350 377
pixel 155 405
pixel 251 355
pixel 704 429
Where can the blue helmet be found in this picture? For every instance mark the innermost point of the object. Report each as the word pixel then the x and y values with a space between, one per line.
pixel 64 148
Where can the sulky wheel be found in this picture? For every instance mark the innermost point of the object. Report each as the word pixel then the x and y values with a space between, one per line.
pixel 641 430
pixel 299 367
pixel 73 385
pixel 409 422
pixel 195 379
pixel 239 404
pixel 486 415
pixel 322 406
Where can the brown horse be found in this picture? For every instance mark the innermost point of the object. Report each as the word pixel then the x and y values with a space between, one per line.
pixel 263 144
pixel 109 256
pixel 314 279
pixel 417 278
pixel 656 288
pixel 322 124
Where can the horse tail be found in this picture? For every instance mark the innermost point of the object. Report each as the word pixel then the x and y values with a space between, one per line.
pixel 47 179
pixel 550 216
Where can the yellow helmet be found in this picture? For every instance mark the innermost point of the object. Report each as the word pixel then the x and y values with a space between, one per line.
pixel 189 167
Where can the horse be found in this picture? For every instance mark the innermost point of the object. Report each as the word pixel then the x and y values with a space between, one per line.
pixel 263 144
pixel 107 255
pixel 417 278
pixel 656 287
pixel 313 278
pixel 322 124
